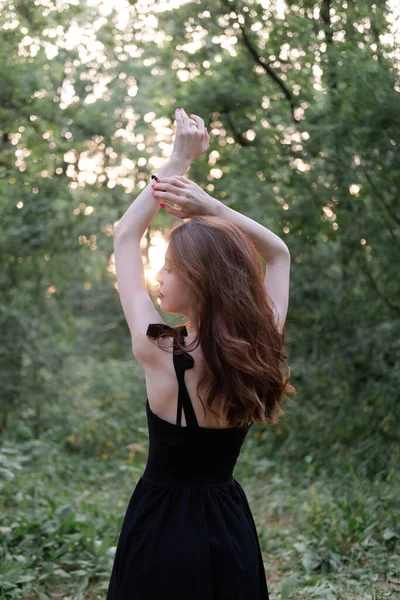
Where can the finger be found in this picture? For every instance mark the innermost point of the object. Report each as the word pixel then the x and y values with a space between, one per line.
pixel 180 213
pixel 179 181
pixel 168 195
pixel 200 123
pixel 183 181
pixel 178 117
pixel 185 118
pixel 168 181
pixel 197 118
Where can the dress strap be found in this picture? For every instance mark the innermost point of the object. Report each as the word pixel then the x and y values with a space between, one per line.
pixel 187 362
pixel 182 362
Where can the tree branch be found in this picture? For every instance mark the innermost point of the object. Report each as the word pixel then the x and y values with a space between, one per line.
pixel 261 61
pixel 391 213
pixel 379 291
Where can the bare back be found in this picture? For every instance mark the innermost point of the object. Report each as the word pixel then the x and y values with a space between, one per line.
pixel 162 388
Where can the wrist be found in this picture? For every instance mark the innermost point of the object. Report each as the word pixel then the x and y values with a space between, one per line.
pixel 183 162
pixel 216 208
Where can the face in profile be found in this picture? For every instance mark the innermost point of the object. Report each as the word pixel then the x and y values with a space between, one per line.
pixel 175 298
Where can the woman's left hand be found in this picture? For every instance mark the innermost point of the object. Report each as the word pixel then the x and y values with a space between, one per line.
pixel 190 140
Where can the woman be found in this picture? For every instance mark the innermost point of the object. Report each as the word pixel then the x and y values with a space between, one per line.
pixel 188 531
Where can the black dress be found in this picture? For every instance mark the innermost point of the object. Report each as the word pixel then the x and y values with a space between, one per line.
pixel 188 532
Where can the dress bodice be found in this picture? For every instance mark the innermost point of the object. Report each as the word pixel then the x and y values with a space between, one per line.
pixel 189 453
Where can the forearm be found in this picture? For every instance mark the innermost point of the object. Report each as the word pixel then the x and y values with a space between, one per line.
pixel 141 212
pixel 268 245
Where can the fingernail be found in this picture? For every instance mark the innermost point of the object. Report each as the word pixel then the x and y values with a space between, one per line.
pixel 153 193
pixel 162 205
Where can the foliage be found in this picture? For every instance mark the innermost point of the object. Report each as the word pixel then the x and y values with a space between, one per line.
pixel 301 102
pixel 330 536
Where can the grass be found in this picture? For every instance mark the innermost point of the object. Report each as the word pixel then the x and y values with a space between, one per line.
pixel 324 534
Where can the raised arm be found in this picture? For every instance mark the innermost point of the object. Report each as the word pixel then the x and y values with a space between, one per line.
pixel 190 143
pixel 137 306
pixel 275 253
pixel 194 201
pixel 268 244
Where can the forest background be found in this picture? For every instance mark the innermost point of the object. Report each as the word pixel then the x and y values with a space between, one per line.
pixel 301 100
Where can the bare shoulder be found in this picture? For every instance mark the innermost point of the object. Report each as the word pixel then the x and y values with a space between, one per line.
pixel 149 354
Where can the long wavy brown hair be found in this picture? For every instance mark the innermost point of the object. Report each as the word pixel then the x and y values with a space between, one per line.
pixel 242 347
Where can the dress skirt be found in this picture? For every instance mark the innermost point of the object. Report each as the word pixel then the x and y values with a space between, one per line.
pixel 188 542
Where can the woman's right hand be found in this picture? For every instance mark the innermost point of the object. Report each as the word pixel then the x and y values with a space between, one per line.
pixel 191 139
pixel 194 201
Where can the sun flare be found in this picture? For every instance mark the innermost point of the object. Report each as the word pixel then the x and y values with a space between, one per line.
pixel 156 254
